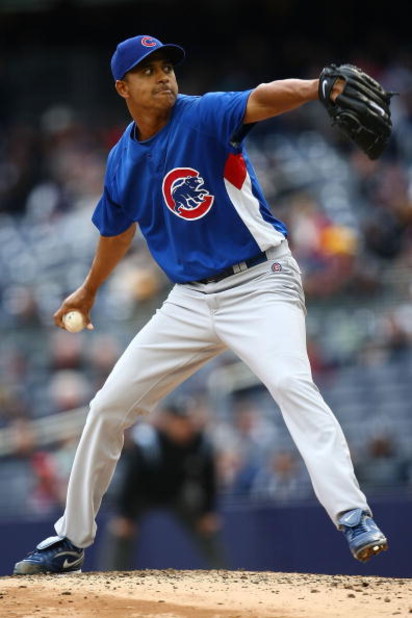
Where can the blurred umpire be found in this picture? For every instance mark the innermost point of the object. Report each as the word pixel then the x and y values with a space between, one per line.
pixel 169 463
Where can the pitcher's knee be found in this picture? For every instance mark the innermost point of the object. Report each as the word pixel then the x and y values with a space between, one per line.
pixel 100 411
pixel 286 383
pixel 106 408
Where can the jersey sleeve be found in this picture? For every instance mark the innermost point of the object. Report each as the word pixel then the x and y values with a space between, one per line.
pixel 110 218
pixel 221 114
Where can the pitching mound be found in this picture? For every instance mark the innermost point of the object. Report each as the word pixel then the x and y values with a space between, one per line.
pixel 203 594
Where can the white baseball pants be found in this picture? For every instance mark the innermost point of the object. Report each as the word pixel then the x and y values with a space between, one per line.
pixel 259 314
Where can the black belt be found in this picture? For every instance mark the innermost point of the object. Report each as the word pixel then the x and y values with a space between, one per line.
pixel 236 268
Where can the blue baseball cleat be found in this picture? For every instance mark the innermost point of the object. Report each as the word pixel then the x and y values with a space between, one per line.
pixel 363 535
pixel 55 554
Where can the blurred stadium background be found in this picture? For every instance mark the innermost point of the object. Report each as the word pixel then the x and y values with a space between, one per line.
pixel 350 224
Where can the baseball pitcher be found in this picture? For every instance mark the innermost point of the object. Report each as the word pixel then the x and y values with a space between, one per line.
pixel 181 172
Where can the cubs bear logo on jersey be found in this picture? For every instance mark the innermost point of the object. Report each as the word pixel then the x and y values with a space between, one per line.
pixel 185 194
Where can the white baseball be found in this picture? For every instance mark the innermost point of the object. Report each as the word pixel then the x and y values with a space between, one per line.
pixel 74 321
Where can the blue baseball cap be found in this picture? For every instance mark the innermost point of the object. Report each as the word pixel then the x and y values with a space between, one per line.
pixel 131 51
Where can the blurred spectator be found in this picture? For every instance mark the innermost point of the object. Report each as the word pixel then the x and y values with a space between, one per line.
pixel 325 250
pixel 386 223
pixel 255 432
pixel 46 494
pixel 241 447
pixel 383 467
pixel 20 159
pixel 12 406
pixel 65 351
pixel 23 439
pixel 135 283
pixel 20 304
pixel 50 470
pixel 170 463
pixel 229 463
pixel 397 333
pixel 103 352
pixel 283 478
pixel 68 389
pixel 243 444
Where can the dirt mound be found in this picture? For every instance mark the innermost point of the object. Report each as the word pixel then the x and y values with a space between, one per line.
pixel 203 594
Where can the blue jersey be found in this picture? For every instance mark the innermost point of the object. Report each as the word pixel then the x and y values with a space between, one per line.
pixel 191 188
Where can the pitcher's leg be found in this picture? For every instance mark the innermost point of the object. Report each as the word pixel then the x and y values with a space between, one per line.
pixel 156 361
pixel 276 353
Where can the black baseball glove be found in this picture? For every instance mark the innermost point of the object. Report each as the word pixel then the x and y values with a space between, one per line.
pixel 362 111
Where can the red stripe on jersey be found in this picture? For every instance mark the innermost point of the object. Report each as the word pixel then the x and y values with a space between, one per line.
pixel 235 170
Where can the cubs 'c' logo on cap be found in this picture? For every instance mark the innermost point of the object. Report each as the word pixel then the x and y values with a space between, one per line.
pixel 147 41
pixel 185 194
